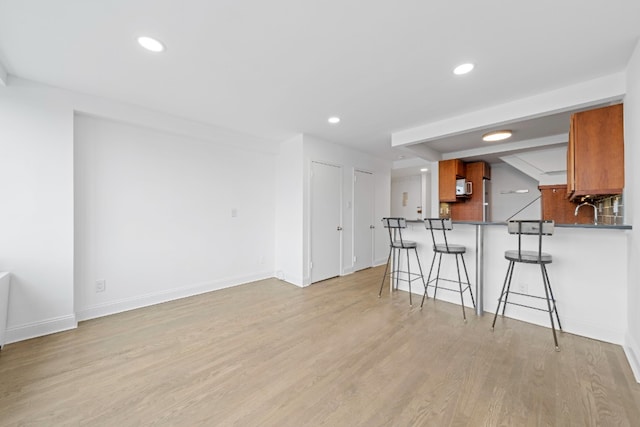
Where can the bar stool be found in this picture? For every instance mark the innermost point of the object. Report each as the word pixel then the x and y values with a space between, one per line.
pixel 539 229
pixel 446 248
pixel 396 245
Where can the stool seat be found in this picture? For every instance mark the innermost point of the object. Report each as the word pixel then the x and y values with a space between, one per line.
pixel 528 256
pixel 450 249
pixel 404 244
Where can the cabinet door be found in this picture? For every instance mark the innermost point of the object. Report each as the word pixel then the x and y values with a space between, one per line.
pixel 598 151
pixel 448 172
pixel 571 187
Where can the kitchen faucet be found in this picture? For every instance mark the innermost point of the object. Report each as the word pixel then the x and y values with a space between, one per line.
pixel 595 211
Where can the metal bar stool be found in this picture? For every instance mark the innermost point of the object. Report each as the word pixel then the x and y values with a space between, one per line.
pixel 539 229
pixel 396 245
pixel 446 248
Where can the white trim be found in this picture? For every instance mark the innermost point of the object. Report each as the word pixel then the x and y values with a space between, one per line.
pixel 632 351
pixel 41 328
pixel 380 261
pixel 133 303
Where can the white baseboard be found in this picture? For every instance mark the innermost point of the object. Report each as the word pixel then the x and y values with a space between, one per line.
pixel 38 329
pixel 381 261
pixel 140 301
pixel 632 351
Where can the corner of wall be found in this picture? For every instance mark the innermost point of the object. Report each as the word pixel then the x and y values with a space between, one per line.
pixel 632 351
pixel 4 76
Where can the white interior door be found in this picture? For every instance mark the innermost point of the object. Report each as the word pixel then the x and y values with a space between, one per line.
pixel 326 221
pixel 363 211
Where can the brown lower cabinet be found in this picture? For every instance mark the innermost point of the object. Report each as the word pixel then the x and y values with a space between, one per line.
pixel 556 206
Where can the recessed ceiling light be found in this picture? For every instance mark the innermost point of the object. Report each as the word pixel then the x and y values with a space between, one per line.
pixel 334 120
pixel 497 135
pixel 424 170
pixel 150 44
pixel 463 69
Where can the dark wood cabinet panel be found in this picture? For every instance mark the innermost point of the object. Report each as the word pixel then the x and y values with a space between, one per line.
pixel 595 154
pixel 472 207
pixel 448 172
pixel 556 206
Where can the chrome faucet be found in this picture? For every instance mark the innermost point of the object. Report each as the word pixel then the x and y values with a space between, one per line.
pixel 595 211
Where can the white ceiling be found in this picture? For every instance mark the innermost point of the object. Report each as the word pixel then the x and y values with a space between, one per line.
pixel 277 68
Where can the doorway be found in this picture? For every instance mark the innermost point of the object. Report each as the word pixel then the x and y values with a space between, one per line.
pixel 326 221
pixel 363 219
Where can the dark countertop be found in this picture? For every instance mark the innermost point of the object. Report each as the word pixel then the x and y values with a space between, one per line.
pixel 599 226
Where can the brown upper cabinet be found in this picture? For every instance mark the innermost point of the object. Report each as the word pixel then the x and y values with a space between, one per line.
pixel 595 153
pixel 448 172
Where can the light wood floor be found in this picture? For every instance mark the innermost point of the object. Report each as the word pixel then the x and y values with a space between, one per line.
pixel 333 354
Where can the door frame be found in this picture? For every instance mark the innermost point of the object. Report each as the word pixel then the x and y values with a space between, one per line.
pixel 353 216
pixel 307 260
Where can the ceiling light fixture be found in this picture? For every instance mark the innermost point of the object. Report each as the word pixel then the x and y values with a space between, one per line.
pixel 424 170
pixel 150 44
pixel 497 135
pixel 334 120
pixel 463 69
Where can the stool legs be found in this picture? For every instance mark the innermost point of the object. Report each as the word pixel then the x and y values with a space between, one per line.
pixel 415 250
pixel 395 269
pixel 547 288
pixel 552 297
pixel 433 260
pixel 473 302
pixel 460 289
pixel 386 268
pixel 464 316
pixel 507 279
pixel 504 296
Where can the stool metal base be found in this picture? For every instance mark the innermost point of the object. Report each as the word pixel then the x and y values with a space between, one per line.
pixel 459 281
pixel 551 302
pixel 395 270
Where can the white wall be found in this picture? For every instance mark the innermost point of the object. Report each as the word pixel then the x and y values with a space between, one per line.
pixel 36 212
pixel 632 203
pixel 154 216
pixel 504 178
pixel 289 201
pixel 350 160
pixel 412 185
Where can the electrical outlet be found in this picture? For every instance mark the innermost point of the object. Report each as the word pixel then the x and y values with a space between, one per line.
pixel 261 259
pixel 523 287
pixel 101 285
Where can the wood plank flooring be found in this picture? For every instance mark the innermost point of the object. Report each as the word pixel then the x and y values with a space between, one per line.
pixel 333 354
